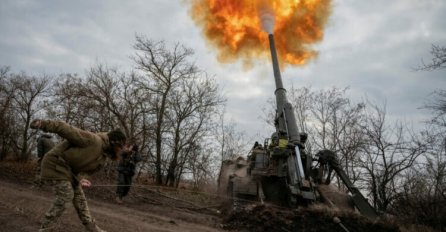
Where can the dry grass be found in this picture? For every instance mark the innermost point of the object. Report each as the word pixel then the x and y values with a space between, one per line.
pixel 18 171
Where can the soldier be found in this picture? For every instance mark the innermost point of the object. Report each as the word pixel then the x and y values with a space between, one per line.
pixel 67 165
pixel 126 171
pixel 44 144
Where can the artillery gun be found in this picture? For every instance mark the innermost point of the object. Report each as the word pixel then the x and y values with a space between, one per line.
pixel 280 171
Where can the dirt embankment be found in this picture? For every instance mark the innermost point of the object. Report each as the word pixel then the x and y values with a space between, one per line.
pixel 22 206
pixel 150 208
pixel 262 218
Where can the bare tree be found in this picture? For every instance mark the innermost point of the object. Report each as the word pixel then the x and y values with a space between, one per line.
pixel 302 100
pixel 438 60
pixel 200 163
pixel 424 188
pixel 163 69
pixel 230 142
pixel 104 100
pixel 390 151
pixel 424 192
pixel 437 105
pixel 67 101
pixel 193 105
pixel 436 133
pixel 124 102
pixel 27 102
pixel 332 122
pixel 7 119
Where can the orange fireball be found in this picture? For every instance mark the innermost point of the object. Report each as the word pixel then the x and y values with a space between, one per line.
pixel 234 27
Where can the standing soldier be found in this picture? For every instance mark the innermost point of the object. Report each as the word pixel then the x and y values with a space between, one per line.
pixel 67 165
pixel 126 171
pixel 44 144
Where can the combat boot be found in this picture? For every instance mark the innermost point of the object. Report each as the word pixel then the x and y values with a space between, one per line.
pixel 92 227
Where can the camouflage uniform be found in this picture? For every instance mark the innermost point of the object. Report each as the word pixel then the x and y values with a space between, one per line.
pixel 65 193
pixel 80 154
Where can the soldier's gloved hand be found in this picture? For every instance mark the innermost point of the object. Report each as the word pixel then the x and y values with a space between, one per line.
pixel 85 183
pixel 36 124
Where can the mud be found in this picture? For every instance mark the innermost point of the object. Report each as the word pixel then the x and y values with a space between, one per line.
pixel 262 218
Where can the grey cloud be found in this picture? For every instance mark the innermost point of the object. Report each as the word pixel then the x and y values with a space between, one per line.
pixel 370 46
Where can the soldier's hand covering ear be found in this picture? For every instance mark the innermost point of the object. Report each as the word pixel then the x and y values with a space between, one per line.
pixel 36 124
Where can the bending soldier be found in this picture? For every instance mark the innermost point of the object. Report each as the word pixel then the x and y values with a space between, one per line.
pixel 67 165
pixel 126 171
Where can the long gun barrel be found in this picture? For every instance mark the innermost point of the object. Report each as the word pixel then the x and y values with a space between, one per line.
pixel 286 121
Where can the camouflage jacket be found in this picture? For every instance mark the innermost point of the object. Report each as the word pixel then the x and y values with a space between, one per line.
pixel 81 153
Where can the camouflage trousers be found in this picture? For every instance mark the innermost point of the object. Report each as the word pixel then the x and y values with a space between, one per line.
pixel 66 193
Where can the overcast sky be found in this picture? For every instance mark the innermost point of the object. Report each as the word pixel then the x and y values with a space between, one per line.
pixel 369 46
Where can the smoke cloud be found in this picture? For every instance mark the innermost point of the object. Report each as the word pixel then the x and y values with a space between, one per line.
pixel 267 20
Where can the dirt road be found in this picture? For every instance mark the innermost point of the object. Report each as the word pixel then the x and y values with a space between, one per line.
pixel 22 207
